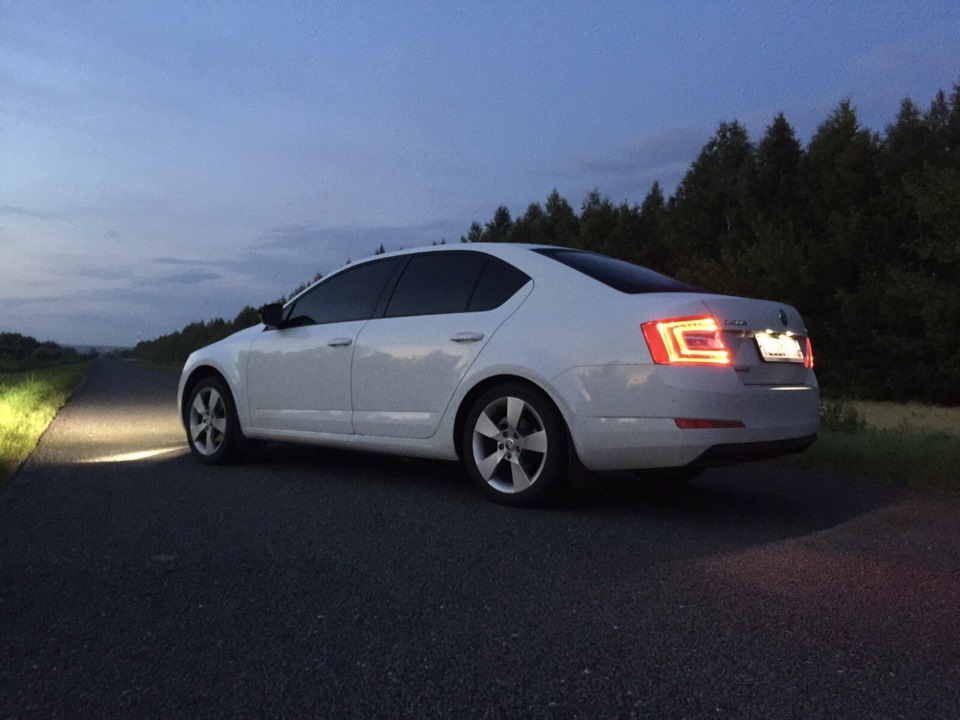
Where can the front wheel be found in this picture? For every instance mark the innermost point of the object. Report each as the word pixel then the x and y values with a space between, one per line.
pixel 514 445
pixel 213 430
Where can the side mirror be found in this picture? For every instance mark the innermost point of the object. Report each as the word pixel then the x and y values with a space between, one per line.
pixel 271 315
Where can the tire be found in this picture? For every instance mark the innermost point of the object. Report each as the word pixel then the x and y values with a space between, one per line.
pixel 514 445
pixel 213 430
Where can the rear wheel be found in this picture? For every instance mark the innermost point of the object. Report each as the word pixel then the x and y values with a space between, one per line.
pixel 514 445
pixel 213 430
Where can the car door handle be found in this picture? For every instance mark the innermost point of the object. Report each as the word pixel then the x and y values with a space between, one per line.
pixel 467 337
pixel 339 342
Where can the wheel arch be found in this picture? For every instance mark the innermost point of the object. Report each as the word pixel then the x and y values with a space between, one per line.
pixel 481 387
pixel 198 374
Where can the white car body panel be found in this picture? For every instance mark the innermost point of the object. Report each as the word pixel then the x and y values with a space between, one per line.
pixel 576 339
pixel 406 369
pixel 299 378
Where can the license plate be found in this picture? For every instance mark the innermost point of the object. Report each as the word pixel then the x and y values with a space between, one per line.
pixel 779 348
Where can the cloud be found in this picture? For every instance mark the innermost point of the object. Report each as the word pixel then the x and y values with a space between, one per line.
pixel 188 277
pixel 308 249
pixel 665 146
pixel 77 269
pixel 357 236
pixel 27 212
pixel 889 64
pixel 626 172
pixel 126 300
pixel 880 78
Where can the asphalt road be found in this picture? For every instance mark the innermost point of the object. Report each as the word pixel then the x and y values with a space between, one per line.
pixel 326 584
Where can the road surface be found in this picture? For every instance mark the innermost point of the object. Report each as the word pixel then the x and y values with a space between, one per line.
pixel 308 583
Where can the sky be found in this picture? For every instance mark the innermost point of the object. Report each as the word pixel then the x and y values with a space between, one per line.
pixel 163 163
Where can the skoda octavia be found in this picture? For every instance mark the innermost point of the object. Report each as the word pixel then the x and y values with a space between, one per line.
pixel 523 362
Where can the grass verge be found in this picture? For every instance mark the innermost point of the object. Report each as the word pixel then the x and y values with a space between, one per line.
pixel 903 444
pixel 28 402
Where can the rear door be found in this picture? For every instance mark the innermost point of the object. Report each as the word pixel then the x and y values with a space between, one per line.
pixel 407 364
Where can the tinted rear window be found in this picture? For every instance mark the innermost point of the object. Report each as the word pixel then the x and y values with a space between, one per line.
pixel 498 283
pixel 619 275
pixel 436 283
pixel 453 282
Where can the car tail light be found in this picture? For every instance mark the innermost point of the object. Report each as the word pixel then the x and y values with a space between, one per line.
pixel 689 341
pixel 808 356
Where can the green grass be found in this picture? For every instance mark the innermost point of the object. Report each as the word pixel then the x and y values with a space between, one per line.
pixel 903 444
pixel 28 402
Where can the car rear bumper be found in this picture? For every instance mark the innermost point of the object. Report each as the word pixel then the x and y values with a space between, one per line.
pixel 733 453
pixel 624 417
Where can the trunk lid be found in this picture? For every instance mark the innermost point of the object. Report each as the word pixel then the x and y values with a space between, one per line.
pixel 742 320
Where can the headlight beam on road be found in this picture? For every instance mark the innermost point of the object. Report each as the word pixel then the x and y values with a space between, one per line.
pixel 134 456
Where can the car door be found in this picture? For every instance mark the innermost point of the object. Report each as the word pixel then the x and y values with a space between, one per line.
pixel 408 363
pixel 298 375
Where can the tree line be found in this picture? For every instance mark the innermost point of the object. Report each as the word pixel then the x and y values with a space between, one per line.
pixel 859 230
pixel 20 352
pixel 176 346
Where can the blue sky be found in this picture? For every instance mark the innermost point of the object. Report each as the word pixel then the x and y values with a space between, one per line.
pixel 164 162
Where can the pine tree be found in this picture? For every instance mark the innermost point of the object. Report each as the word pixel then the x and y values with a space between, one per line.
pixel 711 209
pixel 598 223
pixel 777 185
pixel 532 227
pixel 649 245
pixel 564 227
pixel 498 229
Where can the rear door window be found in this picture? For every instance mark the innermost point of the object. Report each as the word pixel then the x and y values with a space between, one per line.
pixel 453 282
pixel 436 283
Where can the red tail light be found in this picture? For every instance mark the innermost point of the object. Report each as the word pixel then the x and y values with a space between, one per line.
pixel 808 356
pixel 688 341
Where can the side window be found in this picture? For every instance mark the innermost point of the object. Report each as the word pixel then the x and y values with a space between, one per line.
pixel 350 295
pixel 498 283
pixel 435 283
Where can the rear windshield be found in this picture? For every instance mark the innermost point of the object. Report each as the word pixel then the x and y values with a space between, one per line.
pixel 619 275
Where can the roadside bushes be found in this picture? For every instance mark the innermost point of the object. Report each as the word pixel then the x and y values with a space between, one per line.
pixel 21 352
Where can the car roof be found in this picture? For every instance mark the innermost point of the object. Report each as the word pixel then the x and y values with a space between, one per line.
pixel 493 248
pixel 511 252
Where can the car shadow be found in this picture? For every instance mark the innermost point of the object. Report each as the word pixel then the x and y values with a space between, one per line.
pixel 763 500
pixel 764 497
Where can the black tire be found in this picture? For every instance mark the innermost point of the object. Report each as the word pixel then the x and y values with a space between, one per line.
pixel 213 430
pixel 514 445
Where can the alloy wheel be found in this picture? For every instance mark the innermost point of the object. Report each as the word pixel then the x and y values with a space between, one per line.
pixel 208 421
pixel 510 445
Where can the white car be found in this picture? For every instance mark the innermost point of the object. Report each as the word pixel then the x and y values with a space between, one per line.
pixel 521 361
